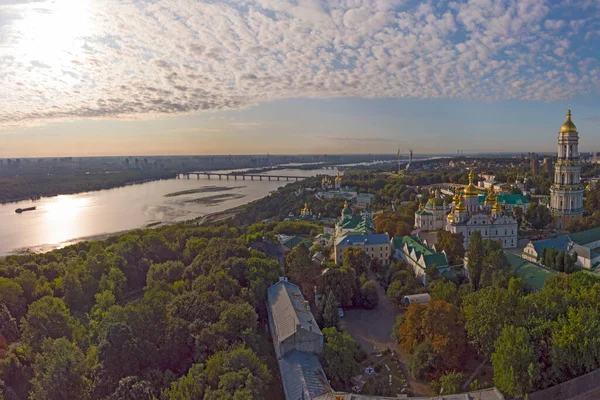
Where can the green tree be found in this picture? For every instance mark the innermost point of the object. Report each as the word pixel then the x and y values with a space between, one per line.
pixel 11 295
pixel 449 383
pixel 8 325
pixel 445 290
pixel 486 313
pixel 169 271
pixel 538 216
pixel 342 281
pixel 338 355
pixel 120 352
pixel 73 292
pixel 59 372
pixel 475 256
pixel 515 362
pixel 356 258
pixel 237 373
pixel 47 317
pixel 115 281
pixel 518 211
pixel 331 314
pixel 189 387
pixel 299 266
pixel 422 361
pixel 369 295
pixel 133 388
pixel 452 243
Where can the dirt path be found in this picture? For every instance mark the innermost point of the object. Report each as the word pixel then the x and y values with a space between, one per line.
pixel 372 329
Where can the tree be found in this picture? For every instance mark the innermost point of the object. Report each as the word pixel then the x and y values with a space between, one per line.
pixel 518 211
pixel 73 293
pixel 133 388
pixel 331 314
pixel 538 216
pixel 189 387
pixel 237 373
pixel 342 282
pixel 300 268
pixel 11 295
pixel 8 325
pixel 114 281
pixel 475 259
pixel 338 355
pixel 452 244
pixel 356 258
pixel 441 324
pixel 48 317
pixel 422 362
pixel 449 383
pixel 119 351
pixel 169 271
pixel 515 362
pixel 486 313
pixel 59 372
pixel 445 290
pixel 369 295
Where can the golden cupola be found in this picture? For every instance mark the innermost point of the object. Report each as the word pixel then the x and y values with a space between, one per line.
pixel 450 217
pixel 338 177
pixel 305 210
pixel 461 207
pixel 471 190
pixel 456 198
pixel 491 197
pixel 496 207
pixel 568 126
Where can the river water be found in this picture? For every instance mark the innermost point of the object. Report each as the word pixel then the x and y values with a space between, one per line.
pixel 62 220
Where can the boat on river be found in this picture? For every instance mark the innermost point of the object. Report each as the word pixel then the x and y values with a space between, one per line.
pixel 20 210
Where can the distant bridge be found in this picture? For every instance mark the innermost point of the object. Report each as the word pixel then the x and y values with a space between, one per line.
pixel 241 176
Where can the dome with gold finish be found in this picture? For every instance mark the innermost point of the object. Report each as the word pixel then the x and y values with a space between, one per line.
pixel 338 177
pixel 460 207
pixel 471 190
pixel 346 210
pixel 568 126
pixel 450 217
pixel 456 198
pixel 497 207
pixel 491 197
pixel 305 210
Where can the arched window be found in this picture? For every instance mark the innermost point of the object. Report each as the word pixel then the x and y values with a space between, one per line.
pixel 564 154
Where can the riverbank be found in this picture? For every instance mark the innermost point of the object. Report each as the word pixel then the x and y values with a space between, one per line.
pixel 20 188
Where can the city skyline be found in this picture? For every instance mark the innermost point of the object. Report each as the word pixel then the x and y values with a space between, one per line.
pixel 81 78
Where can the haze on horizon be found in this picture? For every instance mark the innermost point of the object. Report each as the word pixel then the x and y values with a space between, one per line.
pixel 90 78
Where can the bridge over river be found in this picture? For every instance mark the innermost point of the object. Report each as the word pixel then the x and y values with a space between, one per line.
pixel 240 175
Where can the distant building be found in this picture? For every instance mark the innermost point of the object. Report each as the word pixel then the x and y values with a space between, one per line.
pixel 274 251
pixel 566 194
pixel 432 216
pixel 586 244
pixel 419 256
pixel 535 166
pixel 364 199
pixel 377 246
pixel 358 224
pixel 534 276
pixel 547 165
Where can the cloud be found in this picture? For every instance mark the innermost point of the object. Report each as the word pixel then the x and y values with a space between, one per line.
pixel 147 59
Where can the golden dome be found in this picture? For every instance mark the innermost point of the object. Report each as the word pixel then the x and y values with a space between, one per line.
pixel 568 126
pixel 471 190
pixel 338 177
pixel 450 217
pixel 497 207
pixel 305 210
pixel 460 207
pixel 456 198
pixel 491 197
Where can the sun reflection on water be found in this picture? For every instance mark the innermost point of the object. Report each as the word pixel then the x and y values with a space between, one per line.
pixel 62 218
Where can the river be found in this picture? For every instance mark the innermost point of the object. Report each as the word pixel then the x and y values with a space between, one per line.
pixel 62 220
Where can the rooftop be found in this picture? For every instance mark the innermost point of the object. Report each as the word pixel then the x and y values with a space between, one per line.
pixel 303 377
pixel 511 199
pixel 585 237
pixel 374 239
pixel 431 257
pixel 289 310
pixel 534 275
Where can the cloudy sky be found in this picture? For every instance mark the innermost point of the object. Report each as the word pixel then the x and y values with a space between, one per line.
pixel 96 77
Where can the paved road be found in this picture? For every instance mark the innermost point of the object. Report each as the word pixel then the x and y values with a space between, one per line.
pixel 372 329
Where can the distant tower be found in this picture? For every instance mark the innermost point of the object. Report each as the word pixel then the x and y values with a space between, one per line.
pixel 535 164
pixel 410 153
pixel 566 194
pixel 547 165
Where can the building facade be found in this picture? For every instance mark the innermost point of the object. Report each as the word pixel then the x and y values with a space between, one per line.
pixel 566 194
pixel 419 256
pixel 432 216
pixel 492 219
pixel 377 246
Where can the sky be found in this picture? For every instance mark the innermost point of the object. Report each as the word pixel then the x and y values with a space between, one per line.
pixel 159 77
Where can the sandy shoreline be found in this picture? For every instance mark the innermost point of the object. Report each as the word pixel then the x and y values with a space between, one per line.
pixel 205 219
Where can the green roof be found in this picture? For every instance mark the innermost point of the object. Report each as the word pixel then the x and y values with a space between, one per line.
pixel 423 212
pixel 511 199
pixel 292 242
pixel 585 237
pixel 534 275
pixel 358 224
pixel 414 243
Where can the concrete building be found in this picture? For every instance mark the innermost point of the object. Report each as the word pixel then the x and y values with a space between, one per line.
pixel 586 244
pixel 535 165
pixel 419 256
pixel 493 220
pixel 377 246
pixel 547 165
pixel 566 194
pixel 432 216
pixel 297 340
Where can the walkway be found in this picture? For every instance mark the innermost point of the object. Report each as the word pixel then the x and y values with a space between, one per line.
pixel 372 329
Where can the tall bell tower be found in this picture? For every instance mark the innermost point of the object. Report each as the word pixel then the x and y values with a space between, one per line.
pixel 566 194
